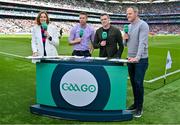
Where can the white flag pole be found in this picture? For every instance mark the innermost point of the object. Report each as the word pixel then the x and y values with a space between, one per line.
pixel 165 75
pixel 168 65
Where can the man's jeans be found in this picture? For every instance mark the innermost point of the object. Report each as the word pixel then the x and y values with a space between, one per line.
pixel 136 73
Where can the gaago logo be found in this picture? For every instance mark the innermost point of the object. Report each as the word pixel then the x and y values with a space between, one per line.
pixel 75 87
pixel 78 87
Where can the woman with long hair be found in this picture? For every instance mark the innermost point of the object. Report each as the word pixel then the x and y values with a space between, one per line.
pixel 45 37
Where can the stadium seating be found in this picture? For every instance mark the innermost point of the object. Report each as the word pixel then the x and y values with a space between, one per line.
pixel 162 17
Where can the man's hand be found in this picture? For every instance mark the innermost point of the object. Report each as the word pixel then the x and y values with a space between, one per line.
pixel 103 43
pixel 91 49
pixel 35 54
pixel 125 37
pixel 133 60
pixel 77 40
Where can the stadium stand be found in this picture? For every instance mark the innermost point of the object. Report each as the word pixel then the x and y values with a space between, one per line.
pixel 17 16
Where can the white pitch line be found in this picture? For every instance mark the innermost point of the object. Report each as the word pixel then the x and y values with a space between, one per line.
pixel 147 81
pixel 9 54
pixel 161 77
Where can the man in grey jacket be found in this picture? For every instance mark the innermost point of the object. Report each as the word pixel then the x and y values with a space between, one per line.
pixel 137 43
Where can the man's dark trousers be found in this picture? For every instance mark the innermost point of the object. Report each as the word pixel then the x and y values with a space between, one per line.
pixel 136 73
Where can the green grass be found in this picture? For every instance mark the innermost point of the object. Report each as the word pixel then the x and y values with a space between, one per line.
pixel 17 83
pixel 158 48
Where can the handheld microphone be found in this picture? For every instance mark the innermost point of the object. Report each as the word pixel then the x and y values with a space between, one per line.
pixel 104 35
pixel 81 33
pixel 126 30
pixel 44 25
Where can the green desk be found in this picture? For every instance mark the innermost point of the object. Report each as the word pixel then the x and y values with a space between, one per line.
pixel 81 89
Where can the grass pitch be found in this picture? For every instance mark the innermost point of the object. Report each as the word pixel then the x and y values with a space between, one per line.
pixel 17 83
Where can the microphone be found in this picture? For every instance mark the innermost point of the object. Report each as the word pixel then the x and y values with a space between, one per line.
pixel 81 33
pixel 104 35
pixel 126 29
pixel 44 25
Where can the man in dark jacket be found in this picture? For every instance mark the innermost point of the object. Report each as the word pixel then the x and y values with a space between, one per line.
pixel 109 39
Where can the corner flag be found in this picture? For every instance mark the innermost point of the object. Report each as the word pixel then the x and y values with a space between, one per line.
pixel 168 61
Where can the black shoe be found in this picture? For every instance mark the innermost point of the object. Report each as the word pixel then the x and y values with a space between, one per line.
pixel 132 108
pixel 138 113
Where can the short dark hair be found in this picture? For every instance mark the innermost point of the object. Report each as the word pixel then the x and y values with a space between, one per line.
pixel 83 13
pixel 104 14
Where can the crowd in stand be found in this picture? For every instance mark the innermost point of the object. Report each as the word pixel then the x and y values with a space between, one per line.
pixel 165 29
pixel 24 26
pixel 15 26
pixel 154 8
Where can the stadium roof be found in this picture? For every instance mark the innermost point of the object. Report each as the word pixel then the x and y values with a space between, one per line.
pixel 136 1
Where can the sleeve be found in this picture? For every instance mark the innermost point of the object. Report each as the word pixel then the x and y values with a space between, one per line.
pixel 72 35
pixel 33 41
pixel 92 35
pixel 55 36
pixel 96 43
pixel 120 44
pixel 143 40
